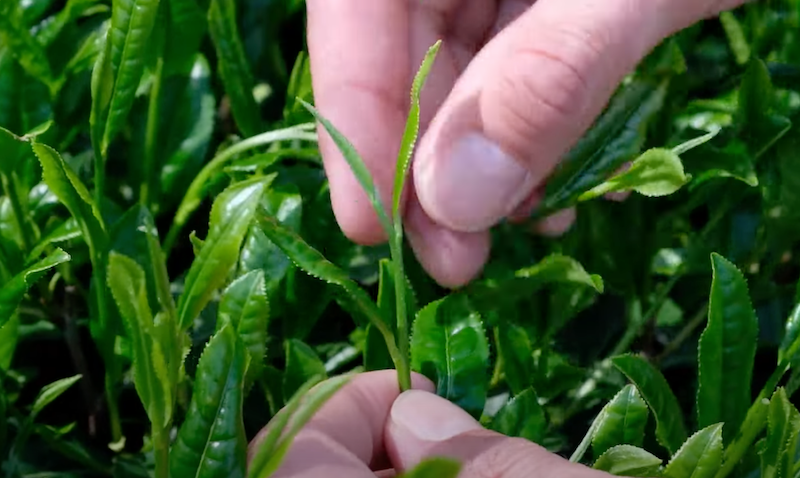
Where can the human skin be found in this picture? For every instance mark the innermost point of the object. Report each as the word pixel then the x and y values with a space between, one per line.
pixel 516 84
pixel 368 430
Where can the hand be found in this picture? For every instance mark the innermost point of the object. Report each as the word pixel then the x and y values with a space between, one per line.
pixel 516 84
pixel 367 430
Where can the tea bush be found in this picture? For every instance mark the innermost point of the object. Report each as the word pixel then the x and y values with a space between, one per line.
pixel 168 248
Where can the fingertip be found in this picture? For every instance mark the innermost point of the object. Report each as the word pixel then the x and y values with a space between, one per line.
pixel 557 224
pixel 451 258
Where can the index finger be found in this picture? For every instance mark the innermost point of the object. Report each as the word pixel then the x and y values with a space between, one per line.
pixel 345 438
pixel 359 53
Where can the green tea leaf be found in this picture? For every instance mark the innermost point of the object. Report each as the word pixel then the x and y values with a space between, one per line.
pixel 301 408
pixel 233 67
pixel 66 231
pixel 314 264
pixel 732 161
pixel 411 131
pixel 231 216
pixel 699 457
pixel 212 442
pixel 434 468
pixel 670 429
pixel 621 422
pixel 302 364
pixel 376 355
pixel 187 26
pixel 514 346
pixel 727 350
pixel 128 285
pixel 24 47
pixel 120 67
pixel 616 137
pixel 522 417
pixel 9 335
pixel 50 392
pixel 358 166
pixel 628 460
pixel 736 38
pixel 783 431
pixel 449 346
pixel 244 305
pixel 790 343
pixel 656 173
pixel 12 292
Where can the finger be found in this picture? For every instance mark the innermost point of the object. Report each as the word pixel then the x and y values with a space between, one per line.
pixel 360 61
pixel 423 425
pixel 345 438
pixel 528 97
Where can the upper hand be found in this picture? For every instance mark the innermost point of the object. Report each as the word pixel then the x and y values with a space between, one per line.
pixel 515 86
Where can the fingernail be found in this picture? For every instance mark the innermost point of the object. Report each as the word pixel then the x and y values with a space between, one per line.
pixel 429 417
pixel 473 185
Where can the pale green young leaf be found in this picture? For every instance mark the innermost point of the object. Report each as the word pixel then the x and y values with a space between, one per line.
pixel 621 422
pixel 231 215
pixel 670 428
pixel 449 346
pixel 783 431
pixel 736 37
pixel 50 392
pixel 358 166
pixel 699 457
pixel 127 282
pixel 211 441
pixel 411 131
pixel 233 67
pixel 629 460
pixel 244 305
pixel 268 460
pixel 658 172
pixel 726 351
pixel 522 417
pixel 13 291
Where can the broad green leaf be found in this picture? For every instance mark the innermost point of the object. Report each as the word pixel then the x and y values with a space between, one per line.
pixel 411 132
pixel 434 468
pixel 621 422
pixel 516 351
pixel 9 335
pixel 122 64
pixel 732 161
pixel 736 38
pixel 127 282
pixel 212 442
pixel 783 431
pixel 187 125
pixel 50 392
pixel 761 128
pixel 670 428
pixel 186 28
pixel 358 166
pixel 522 417
pixel 69 189
pixel 231 216
pixel 22 44
pixel 314 264
pixel 66 231
pixel 657 172
pixel 449 346
pixel 699 457
pixel 12 292
pixel 726 351
pixel 628 460
pixel 302 364
pixel 300 409
pixel 233 66
pixel 244 305
pixel 616 137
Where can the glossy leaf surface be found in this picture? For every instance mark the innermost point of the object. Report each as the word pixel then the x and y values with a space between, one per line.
pixel 699 457
pixel 628 460
pixel 522 417
pixel 622 421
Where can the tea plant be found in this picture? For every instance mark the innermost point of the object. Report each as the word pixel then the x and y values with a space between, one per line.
pixel 172 275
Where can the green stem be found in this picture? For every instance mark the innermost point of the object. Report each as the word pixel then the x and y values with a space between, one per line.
pixel 16 207
pixel 695 322
pixel 194 195
pixel 404 375
pixel 99 176
pixel 113 415
pixel 151 137
pixel 161 452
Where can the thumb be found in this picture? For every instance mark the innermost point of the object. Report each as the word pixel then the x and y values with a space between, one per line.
pixel 423 425
pixel 529 95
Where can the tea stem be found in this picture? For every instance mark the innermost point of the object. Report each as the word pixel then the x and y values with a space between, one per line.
pixel 16 207
pixel 151 138
pixel 113 411
pixel 161 452
pixel 403 368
